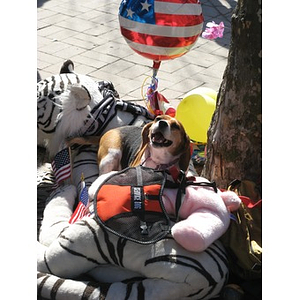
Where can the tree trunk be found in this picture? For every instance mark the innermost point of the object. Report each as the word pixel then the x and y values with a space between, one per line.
pixel 234 136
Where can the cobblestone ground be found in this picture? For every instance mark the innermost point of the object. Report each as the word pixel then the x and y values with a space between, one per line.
pixel 88 33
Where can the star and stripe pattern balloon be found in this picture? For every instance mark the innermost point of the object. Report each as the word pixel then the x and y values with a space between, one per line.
pixel 161 29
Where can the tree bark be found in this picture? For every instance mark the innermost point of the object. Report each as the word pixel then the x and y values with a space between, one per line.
pixel 235 135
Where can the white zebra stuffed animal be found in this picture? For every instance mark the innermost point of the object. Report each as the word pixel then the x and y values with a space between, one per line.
pixel 63 104
pixel 73 104
pixel 84 261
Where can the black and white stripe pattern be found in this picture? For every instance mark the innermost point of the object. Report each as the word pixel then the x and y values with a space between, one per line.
pixel 121 268
pixel 104 111
pixel 50 98
pixel 49 103
pixel 52 287
pixel 188 275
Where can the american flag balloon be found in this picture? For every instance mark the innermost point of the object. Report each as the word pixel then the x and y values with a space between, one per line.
pixel 161 29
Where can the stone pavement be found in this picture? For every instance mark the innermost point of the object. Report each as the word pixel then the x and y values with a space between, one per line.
pixel 87 32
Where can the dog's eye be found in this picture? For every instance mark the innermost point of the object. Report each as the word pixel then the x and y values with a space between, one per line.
pixel 175 126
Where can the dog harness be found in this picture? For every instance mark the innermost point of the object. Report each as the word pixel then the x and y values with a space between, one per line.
pixel 129 203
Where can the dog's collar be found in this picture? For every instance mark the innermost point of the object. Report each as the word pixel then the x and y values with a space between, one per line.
pixel 167 166
pixel 161 166
pixel 171 168
pixel 174 172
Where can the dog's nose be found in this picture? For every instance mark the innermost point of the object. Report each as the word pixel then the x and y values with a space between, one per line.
pixel 162 124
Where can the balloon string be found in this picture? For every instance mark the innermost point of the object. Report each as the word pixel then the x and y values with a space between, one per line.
pixel 142 89
pixel 149 100
pixel 155 67
pixel 154 76
pixel 150 95
pixel 151 88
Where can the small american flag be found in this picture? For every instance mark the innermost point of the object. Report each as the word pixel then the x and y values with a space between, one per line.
pixel 61 165
pixel 82 207
pixel 161 29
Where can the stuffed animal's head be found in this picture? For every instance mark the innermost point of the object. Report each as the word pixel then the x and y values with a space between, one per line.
pixel 205 216
pixel 64 102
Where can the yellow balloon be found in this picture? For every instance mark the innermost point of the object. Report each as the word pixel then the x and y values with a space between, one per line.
pixel 195 112
pixel 204 91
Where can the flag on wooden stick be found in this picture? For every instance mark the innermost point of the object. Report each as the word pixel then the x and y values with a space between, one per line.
pixel 82 207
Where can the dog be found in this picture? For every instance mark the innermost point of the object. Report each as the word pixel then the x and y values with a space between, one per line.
pixel 160 144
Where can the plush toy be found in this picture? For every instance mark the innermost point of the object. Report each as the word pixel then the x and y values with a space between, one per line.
pixel 74 104
pixel 205 216
pixel 193 265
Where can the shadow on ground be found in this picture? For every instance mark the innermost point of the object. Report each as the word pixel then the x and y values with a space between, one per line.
pixel 41 2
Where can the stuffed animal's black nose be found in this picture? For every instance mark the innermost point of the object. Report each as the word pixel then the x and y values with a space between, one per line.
pixel 162 124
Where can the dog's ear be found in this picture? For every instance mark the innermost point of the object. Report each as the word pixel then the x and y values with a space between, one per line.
pixel 143 146
pixel 184 159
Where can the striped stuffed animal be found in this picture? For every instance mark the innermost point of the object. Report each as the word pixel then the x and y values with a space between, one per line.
pixel 84 261
pixel 70 104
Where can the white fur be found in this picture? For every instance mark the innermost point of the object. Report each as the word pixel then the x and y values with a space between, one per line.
pixel 58 210
pixel 111 161
pixel 75 105
pixel 160 156
pixel 167 130
pixel 73 97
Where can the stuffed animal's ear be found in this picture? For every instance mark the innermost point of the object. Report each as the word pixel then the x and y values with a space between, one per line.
pixel 143 146
pixel 184 159
pixel 79 95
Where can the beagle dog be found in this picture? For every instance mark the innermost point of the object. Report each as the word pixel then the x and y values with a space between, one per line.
pixel 160 144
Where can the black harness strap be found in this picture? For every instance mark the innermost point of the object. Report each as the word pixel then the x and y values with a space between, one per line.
pixel 139 199
pixel 183 183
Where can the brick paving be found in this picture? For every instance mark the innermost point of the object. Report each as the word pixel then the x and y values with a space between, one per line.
pixel 87 32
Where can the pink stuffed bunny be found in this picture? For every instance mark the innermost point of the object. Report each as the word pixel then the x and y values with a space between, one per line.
pixel 204 214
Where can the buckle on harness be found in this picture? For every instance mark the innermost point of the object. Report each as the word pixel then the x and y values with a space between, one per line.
pixel 212 184
pixel 181 177
pixel 144 228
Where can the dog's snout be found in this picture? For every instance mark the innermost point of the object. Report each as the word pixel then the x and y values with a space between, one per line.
pixel 162 124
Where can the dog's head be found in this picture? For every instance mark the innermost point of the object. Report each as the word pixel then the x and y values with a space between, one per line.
pixel 167 142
